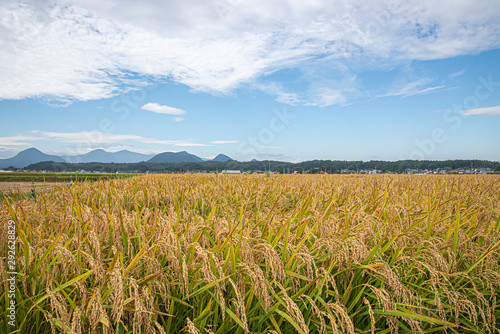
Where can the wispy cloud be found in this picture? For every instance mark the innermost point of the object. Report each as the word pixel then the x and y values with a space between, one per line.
pixel 288 98
pixel 277 89
pixel 224 142
pixel 325 96
pixel 17 140
pixel 457 74
pixel 412 86
pixel 186 143
pixel 69 50
pixel 411 90
pixel 321 93
pixel 178 119
pixel 155 107
pixel 495 110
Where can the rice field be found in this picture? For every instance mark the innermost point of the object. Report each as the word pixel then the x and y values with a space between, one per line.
pixel 256 254
pixel 18 189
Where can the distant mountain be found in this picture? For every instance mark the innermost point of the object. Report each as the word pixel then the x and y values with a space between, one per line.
pixel 99 155
pixel 222 158
pixel 175 157
pixel 33 156
pixel 28 157
pixel 125 156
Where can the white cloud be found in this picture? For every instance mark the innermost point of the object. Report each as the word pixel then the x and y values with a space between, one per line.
pixel 17 140
pixel 68 50
pixel 155 107
pixel 323 97
pixel 178 119
pixel 224 142
pixel 458 73
pixel 288 98
pixel 495 110
pixel 410 80
pixel 413 88
pixel 275 88
pixel 321 93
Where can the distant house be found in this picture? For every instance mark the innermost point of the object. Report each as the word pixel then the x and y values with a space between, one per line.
pixel 231 171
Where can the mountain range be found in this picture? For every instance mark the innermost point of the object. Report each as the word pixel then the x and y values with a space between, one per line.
pixel 33 155
pixel 99 155
pixel 175 157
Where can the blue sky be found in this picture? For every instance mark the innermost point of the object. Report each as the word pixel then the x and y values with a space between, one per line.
pixel 283 80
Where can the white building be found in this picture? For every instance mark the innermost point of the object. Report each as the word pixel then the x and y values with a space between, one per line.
pixel 231 171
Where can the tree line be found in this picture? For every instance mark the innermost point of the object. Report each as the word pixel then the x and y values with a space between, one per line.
pixel 313 166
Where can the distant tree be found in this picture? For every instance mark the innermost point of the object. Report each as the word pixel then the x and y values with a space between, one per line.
pixel 497 168
pixel 313 166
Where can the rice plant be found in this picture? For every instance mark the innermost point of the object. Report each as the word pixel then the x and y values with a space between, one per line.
pixel 254 254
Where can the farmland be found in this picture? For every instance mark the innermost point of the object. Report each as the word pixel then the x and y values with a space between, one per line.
pixel 19 185
pixel 275 254
pixel 60 177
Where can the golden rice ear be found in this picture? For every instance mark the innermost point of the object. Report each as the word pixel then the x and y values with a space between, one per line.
pixel 370 312
pixel 293 309
pixel 76 321
pixel 240 304
pixel 191 328
pixel 117 296
pixel 58 305
pixel 97 314
pixel 319 314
